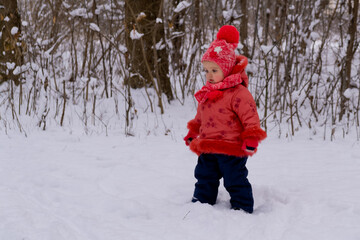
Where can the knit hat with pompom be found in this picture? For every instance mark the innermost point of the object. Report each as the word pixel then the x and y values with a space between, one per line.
pixel 222 49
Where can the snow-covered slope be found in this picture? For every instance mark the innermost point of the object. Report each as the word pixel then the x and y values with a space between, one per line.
pixel 65 185
pixel 57 186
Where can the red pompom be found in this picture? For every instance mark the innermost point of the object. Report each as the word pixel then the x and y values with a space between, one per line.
pixel 228 33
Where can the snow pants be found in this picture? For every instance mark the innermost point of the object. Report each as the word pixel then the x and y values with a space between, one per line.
pixel 211 168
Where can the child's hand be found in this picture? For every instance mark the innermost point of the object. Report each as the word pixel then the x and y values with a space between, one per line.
pixel 250 145
pixel 189 137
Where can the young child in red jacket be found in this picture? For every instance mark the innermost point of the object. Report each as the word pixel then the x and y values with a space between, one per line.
pixel 226 129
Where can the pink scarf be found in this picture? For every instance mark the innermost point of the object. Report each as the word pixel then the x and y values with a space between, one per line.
pixel 237 76
pixel 212 91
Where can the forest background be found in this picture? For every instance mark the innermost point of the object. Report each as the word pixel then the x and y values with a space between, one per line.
pixel 103 64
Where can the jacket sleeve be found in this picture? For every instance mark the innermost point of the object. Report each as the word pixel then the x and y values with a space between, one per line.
pixel 244 106
pixel 194 124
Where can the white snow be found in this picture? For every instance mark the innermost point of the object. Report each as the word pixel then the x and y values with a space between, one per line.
pixel 313 24
pixel 81 12
pixel 17 70
pixel 135 34
pixel 160 45
pixel 231 13
pixel 122 48
pixel 181 6
pixel 10 65
pixel 351 92
pixel 94 27
pixel 14 30
pixel 63 185
pixel 67 6
pixel 315 36
pixel 93 82
pixel 266 49
pixel 141 15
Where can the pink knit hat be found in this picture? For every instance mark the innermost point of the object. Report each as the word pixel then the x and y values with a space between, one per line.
pixel 222 49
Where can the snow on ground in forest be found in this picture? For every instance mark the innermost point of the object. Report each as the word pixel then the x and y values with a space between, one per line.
pixel 65 185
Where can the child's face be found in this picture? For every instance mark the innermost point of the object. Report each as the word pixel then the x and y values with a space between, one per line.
pixel 214 74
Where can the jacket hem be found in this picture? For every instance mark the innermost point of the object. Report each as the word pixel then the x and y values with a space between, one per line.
pixel 200 146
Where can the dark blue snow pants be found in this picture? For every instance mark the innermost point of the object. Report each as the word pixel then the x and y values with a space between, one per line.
pixel 211 168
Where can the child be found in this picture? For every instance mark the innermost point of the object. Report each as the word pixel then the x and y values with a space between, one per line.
pixel 226 129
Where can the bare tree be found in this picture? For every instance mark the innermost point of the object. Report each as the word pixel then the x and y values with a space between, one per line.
pixel 244 27
pixel 177 26
pixel 303 56
pixel 147 57
pixel 352 45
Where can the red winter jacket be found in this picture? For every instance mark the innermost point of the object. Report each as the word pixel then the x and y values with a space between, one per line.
pixel 222 124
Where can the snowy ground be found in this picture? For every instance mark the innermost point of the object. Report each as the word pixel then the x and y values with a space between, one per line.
pixel 60 186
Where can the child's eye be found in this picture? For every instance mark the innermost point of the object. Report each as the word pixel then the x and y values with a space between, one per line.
pixel 214 71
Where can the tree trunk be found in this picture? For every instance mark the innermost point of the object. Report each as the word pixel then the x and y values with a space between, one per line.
pixel 350 51
pixel 161 55
pixel 178 28
pixel 244 28
pixel 141 16
pixel 266 17
pixel 280 16
pixel 11 55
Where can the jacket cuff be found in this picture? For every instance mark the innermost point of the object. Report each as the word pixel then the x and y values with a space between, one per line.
pixel 254 132
pixel 194 126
